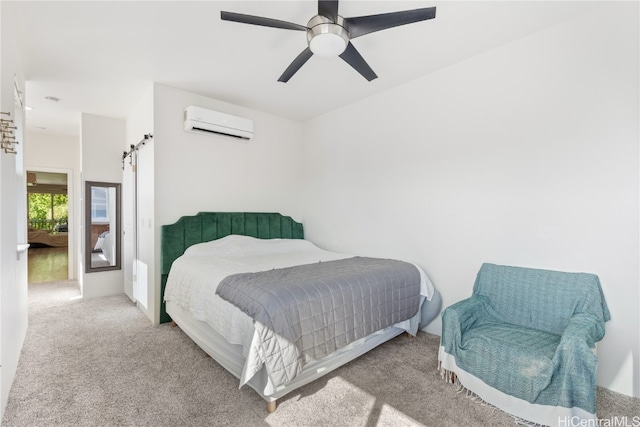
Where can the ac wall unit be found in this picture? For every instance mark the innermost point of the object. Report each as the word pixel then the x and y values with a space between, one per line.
pixel 201 120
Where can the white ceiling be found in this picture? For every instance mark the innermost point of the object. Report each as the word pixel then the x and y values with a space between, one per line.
pixel 99 57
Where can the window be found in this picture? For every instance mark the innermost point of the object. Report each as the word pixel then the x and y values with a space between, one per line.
pixel 46 210
pixel 99 204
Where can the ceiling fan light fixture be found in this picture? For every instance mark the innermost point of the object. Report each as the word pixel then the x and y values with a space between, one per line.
pixel 327 45
pixel 326 38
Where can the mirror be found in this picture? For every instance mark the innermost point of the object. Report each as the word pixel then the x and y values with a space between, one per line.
pixel 102 226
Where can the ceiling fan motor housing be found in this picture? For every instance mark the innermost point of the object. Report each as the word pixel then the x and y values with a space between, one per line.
pixel 325 37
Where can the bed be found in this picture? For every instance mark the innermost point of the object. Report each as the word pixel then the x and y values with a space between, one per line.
pixel 240 244
pixel 42 238
pixel 102 253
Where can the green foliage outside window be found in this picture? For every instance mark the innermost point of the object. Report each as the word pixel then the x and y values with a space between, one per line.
pixel 47 210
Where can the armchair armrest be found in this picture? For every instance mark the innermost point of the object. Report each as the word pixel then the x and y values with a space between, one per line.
pixel 583 328
pixel 576 363
pixel 460 317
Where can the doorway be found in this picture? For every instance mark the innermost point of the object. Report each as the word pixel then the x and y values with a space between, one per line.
pixel 48 210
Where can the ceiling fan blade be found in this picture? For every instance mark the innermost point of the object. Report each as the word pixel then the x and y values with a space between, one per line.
pixel 259 20
pixel 352 57
pixel 361 25
pixel 295 65
pixel 329 9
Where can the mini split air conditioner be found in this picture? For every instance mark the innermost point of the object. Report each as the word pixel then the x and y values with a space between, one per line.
pixel 201 120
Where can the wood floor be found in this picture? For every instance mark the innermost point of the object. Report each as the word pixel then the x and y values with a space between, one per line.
pixel 48 264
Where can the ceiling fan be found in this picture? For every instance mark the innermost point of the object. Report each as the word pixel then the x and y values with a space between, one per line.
pixel 329 34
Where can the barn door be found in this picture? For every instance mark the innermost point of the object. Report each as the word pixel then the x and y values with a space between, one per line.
pixel 129 221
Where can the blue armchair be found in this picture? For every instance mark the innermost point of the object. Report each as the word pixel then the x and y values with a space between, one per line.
pixel 524 342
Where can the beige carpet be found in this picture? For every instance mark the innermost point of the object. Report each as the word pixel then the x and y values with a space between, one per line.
pixel 100 362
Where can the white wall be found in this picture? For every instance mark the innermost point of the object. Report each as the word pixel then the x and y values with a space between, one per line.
pixel 102 141
pixel 196 172
pixel 526 155
pixel 13 267
pixel 52 151
pixel 60 154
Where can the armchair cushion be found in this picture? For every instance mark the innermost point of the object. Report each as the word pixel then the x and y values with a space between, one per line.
pixel 528 334
pixel 530 371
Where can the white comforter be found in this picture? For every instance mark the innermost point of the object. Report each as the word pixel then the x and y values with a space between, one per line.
pixel 194 277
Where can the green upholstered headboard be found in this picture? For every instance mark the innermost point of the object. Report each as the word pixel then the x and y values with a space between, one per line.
pixel 207 226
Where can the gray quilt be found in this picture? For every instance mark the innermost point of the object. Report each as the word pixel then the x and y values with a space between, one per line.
pixel 312 310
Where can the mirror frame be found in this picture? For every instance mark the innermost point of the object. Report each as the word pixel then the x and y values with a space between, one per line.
pixel 87 227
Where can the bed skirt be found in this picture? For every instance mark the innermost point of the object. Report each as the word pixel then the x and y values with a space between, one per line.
pixel 230 356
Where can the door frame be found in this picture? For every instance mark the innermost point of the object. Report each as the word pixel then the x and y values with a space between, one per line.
pixel 72 255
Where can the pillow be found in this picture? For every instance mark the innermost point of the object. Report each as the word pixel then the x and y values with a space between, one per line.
pixel 235 244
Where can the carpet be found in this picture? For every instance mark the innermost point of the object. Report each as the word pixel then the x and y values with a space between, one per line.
pixel 100 362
